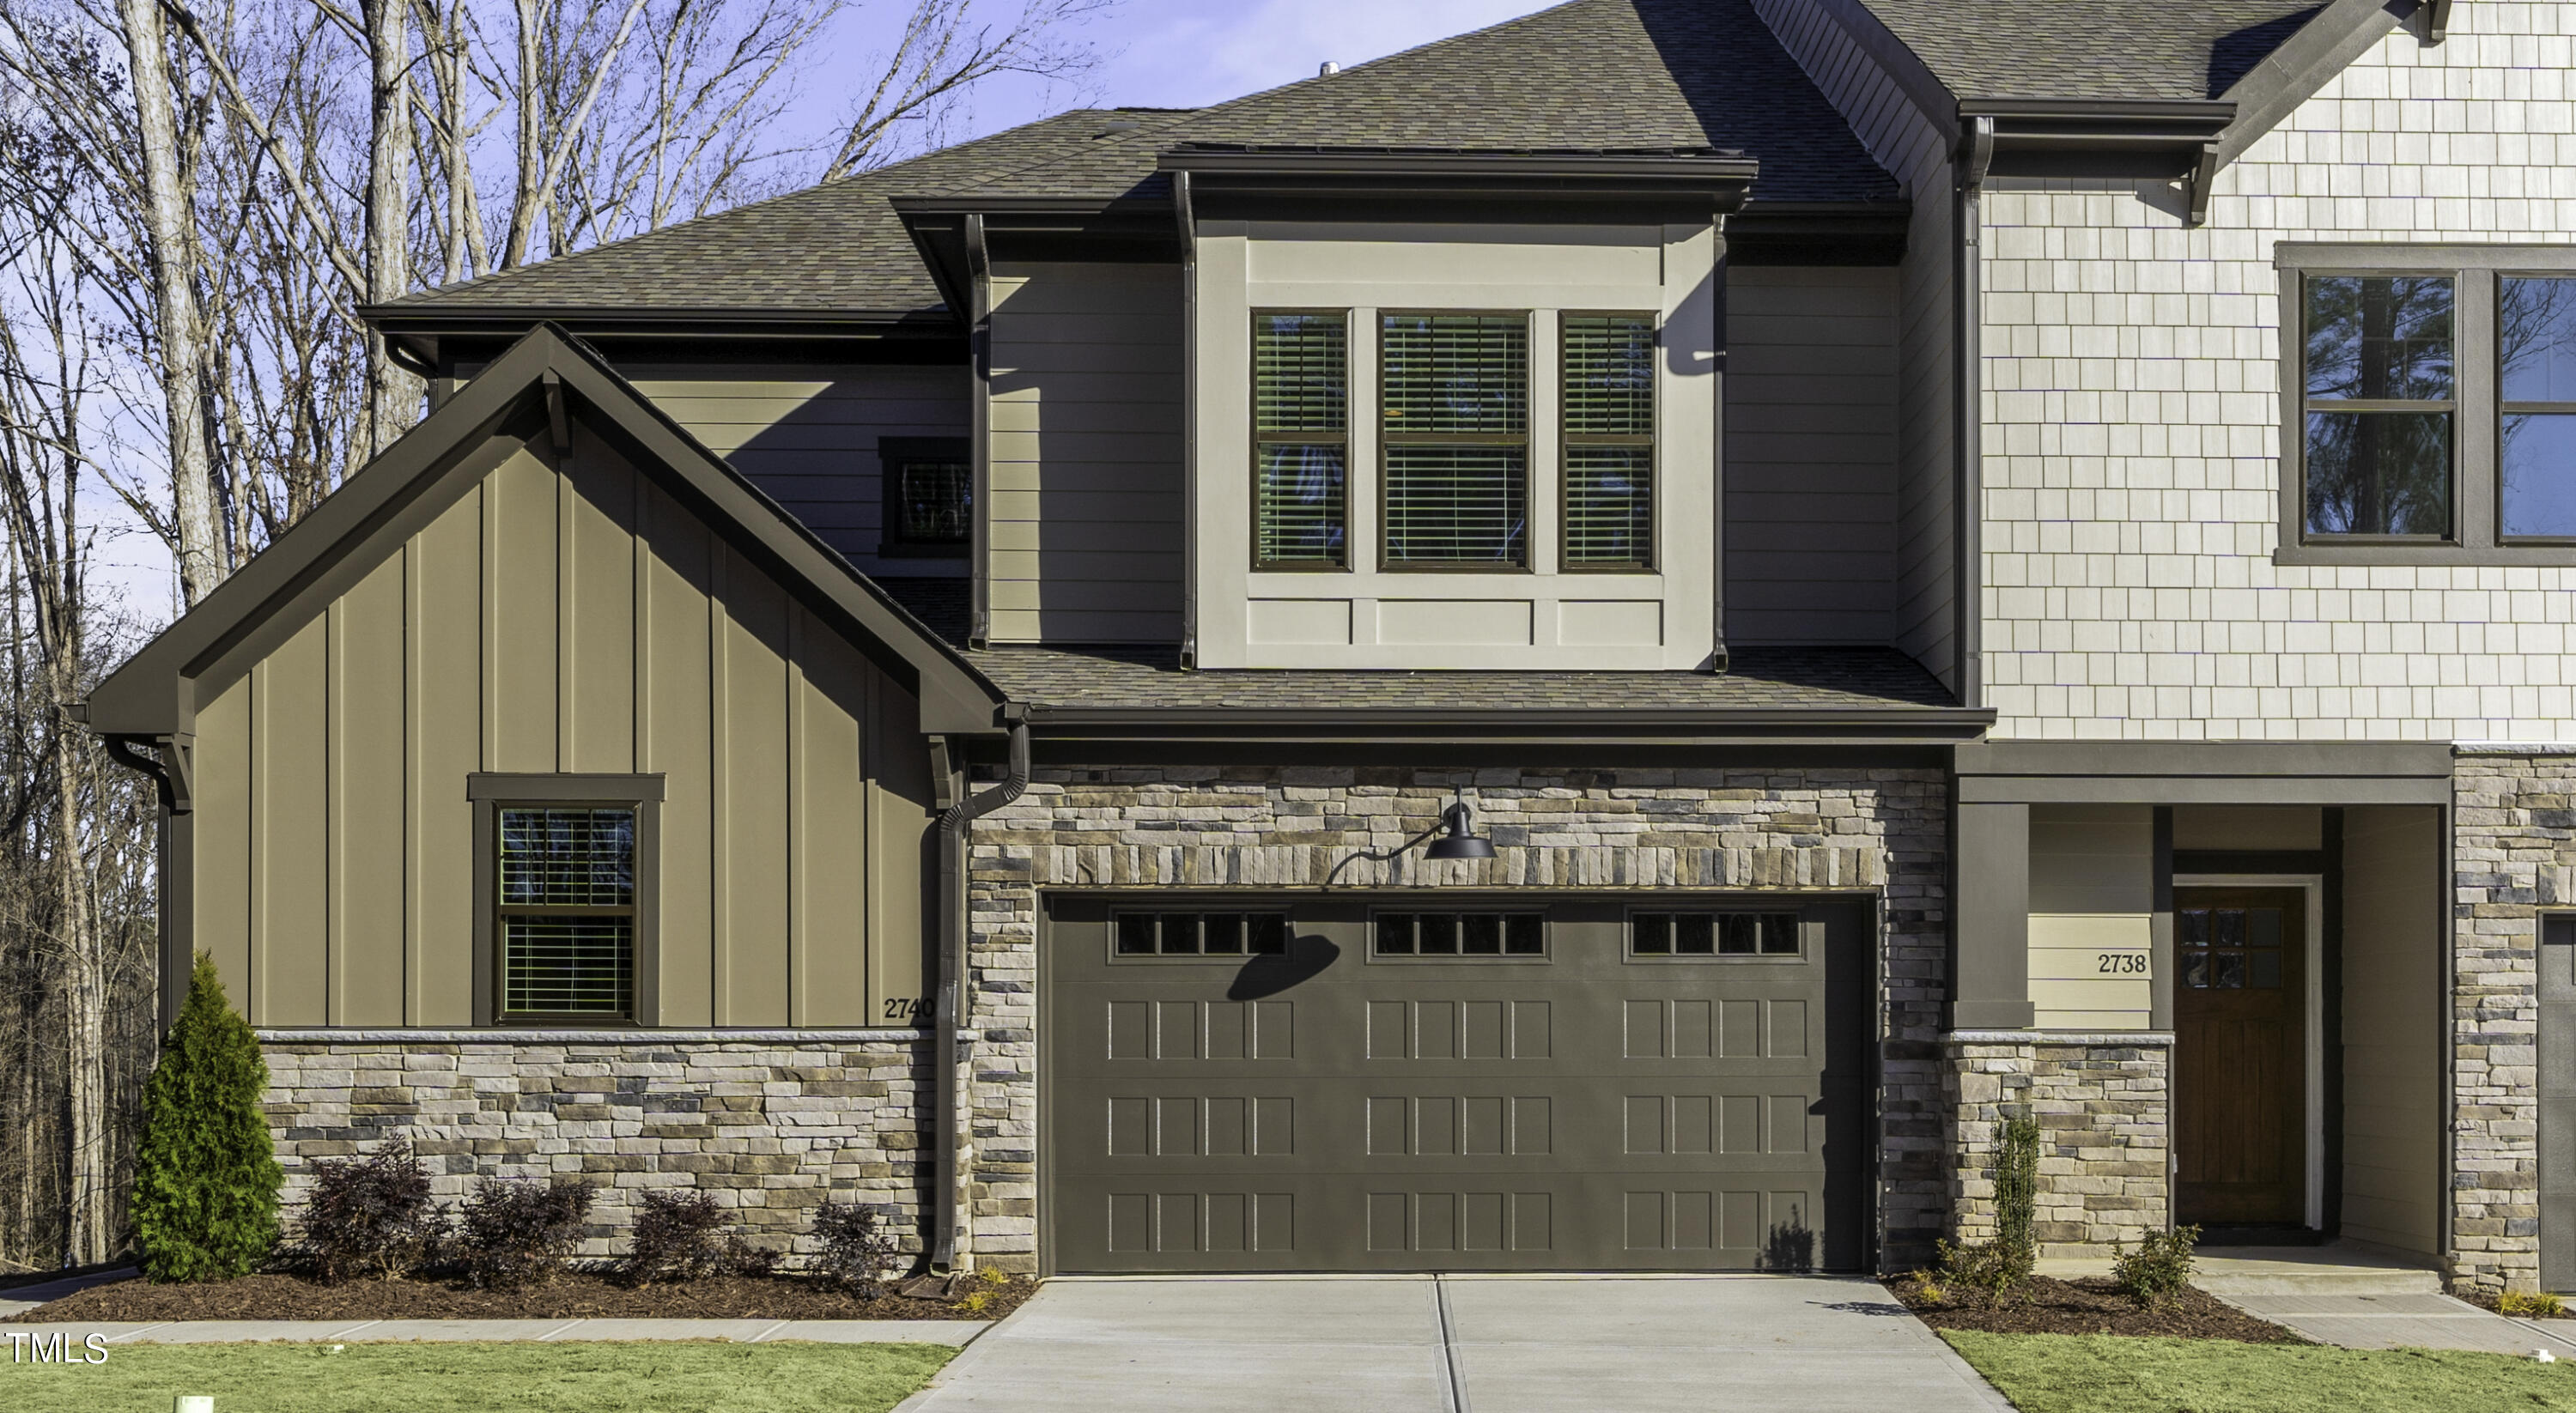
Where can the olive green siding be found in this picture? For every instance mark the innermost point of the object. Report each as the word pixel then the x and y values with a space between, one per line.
pixel 578 623
pixel 2393 1043
pixel 809 437
pixel 1085 436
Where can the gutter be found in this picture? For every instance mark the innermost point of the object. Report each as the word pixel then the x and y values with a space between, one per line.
pixel 954 1040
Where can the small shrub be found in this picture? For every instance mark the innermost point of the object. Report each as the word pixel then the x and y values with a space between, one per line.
pixel 2531 1304
pixel 856 1253
pixel 2158 1270
pixel 519 1233
pixel 1992 1270
pixel 205 1173
pixel 372 1216
pixel 675 1238
pixel 2017 1187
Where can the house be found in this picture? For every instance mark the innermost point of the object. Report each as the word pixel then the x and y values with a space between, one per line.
pixel 1598 645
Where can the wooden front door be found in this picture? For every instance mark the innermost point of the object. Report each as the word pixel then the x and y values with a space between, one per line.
pixel 2240 1057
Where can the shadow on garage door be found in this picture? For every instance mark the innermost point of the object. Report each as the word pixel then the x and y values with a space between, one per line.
pixel 1407 1082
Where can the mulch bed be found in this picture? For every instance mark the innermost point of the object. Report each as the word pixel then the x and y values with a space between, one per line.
pixel 2092 1306
pixel 576 1295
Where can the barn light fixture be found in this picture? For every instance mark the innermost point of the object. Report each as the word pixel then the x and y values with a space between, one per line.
pixel 1458 840
pixel 1461 841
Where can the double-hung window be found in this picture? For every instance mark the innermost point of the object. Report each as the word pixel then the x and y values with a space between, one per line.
pixel 1607 433
pixel 2430 394
pixel 1453 440
pixel 1301 439
pixel 565 895
pixel 2536 388
pixel 2381 403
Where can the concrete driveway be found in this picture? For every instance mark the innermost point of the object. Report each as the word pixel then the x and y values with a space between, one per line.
pixel 1799 1344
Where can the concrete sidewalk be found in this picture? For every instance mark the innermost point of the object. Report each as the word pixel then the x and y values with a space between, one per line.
pixel 950 1332
pixel 2408 1321
pixel 1752 1344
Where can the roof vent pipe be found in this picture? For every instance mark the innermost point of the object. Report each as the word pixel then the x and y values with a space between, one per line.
pixel 1328 69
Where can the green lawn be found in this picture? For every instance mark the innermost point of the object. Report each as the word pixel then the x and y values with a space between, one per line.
pixel 2112 1374
pixel 471 1378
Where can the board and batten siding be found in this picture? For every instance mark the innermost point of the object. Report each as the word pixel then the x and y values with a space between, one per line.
pixel 2092 888
pixel 2393 1026
pixel 1085 431
pixel 1811 447
pixel 808 436
pixel 1910 146
pixel 578 623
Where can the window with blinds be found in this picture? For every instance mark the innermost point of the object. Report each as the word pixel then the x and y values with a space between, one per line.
pixel 566 905
pixel 1607 433
pixel 1301 438
pixel 1453 405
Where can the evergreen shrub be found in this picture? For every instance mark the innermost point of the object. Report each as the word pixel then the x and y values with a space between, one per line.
pixel 206 1177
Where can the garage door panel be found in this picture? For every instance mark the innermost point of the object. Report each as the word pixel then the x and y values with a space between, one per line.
pixel 1582 1110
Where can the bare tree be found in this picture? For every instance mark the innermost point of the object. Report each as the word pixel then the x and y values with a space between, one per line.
pixel 944 49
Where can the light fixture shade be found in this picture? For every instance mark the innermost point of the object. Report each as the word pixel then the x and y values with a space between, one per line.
pixel 1460 846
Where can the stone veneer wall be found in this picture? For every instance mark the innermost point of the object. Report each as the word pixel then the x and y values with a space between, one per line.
pixel 2102 1105
pixel 1857 830
pixel 771 1126
pixel 2514 852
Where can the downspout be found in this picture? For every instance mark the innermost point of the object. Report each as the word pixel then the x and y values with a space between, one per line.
pixel 1188 219
pixel 979 352
pixel 954 1042
pixel 1967 381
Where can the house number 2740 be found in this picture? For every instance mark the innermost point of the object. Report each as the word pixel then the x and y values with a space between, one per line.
pixel 910 1008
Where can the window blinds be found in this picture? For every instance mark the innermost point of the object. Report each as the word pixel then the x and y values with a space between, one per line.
pixel 567 910
pixel 1608 431
pixel 1454 419
pixel 1301 439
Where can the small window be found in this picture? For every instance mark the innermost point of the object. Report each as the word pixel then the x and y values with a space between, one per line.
pixel 929 495
pixel 1460 934
pixel 566 910
pixel 2229 949
pixel 1712 934
pixel 1453 407
pixel 1201 934
pixel 2536 383
pixel 1608 433
pixel 2380 405
pixel 1301 439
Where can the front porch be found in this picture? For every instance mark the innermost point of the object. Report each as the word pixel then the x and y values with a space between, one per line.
pixel 2215 977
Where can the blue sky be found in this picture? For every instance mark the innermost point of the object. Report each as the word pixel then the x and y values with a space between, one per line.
pixel 1188 53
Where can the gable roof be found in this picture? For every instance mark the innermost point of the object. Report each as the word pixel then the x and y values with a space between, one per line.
pixel 2092 49
pixel 159 690
pixel 1589 76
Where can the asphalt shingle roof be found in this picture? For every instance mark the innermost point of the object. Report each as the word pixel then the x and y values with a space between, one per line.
pixel 1593 75
pixel 1758 679
pixel 2092 48
pixel 834 247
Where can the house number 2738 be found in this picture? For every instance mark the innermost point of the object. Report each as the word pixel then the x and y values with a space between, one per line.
pixel 2121 963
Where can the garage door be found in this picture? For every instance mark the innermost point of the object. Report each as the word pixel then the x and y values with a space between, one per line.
pixel 1407 1083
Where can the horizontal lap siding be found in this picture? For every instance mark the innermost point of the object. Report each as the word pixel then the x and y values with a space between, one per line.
pixel 1085 422
pixel 583 623
pixel 1810 455
pixel 1906 143
pixel 809 437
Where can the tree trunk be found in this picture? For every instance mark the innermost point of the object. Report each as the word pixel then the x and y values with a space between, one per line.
pixel 85 1021
pixel 170 235
pixel 394 394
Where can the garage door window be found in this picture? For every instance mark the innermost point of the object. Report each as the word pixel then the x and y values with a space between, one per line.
pixel 1201 934
pixel 1461 934
pixel 1666 936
